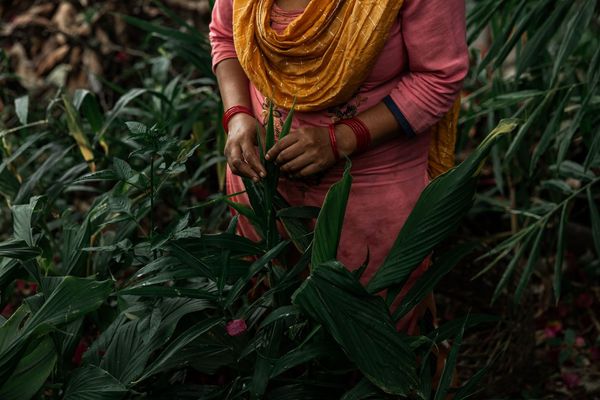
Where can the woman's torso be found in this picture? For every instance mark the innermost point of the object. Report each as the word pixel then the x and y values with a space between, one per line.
pixel 384 76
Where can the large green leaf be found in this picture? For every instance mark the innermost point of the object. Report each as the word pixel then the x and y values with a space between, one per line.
pixel 67 299
pixel 70 300
pixel 18 249
pixel 93 383
pixel 438 213
pixel 164 360
pixel 31 371
pixel 73 298
pixel 329 223
pixel 85 101
pixel 23 220
pixel 361 324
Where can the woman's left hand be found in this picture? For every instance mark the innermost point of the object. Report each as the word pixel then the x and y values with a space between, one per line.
pixel 303 152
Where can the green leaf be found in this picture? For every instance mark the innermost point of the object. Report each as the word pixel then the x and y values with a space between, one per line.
pixel 76 131
pixel 189 336
pixel 129 350
pixel 298 356
pixel 18 249
pixel 22 108
pixel 164 291
pixel 541 38
pixel 23 220
pixel 287 125
pixel 449 365
pixel 430 278
pixel 575 29
pixel 31 372
pixel 593 152
pixel 534 256
pixel 550 132
pixel 267 352
pixel 254 269
pixel 437 213
pixel 512 265
pixel 85 101
pixel 331 217
pixel 595 218
pixel 136 128
pixel 119 108
pixel 538 113
pixel 472 386
pixel 452 328
pixel 280 313
pixel 361 324
pixel 73 298
pixel 98 176
pixel 501 39
pixel 122 169
pixel 363 390
pixel 75 240
pixel 575 124
pixel 560 251
pixel 93 383
pixel 479 17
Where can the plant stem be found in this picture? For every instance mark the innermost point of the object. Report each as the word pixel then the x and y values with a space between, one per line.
pixel 19 128
pixel 152 202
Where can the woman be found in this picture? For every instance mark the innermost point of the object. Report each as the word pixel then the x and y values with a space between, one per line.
pixel 375 80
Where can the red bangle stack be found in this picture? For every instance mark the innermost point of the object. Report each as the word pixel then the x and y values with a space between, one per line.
pixel 231 111
pixel 333 142
pixel 363 136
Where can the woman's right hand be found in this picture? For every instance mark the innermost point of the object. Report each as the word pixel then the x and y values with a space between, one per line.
pixel 240 149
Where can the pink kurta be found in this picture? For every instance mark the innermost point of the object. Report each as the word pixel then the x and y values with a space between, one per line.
pixel 418 74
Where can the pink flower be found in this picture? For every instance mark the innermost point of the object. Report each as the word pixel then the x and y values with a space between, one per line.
pixel 82 346
pixel 121 57
pixel 552 329
pixel 571 379
pixel 549 333
pixel 236 327
pixel 579 341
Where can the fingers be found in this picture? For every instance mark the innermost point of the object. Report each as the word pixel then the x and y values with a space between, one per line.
pixel 289 153
pixel 238 165
pixel 250 155
pixel 297 164
pixel 281 145
pixel 309 170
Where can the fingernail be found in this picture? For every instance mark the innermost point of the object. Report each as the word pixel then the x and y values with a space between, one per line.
pixel 267 157
pixel 262 174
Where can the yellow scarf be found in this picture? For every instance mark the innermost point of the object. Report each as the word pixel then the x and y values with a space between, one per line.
pixel 323 56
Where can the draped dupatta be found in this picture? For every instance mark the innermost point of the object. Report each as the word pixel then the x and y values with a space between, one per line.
pixel 321 58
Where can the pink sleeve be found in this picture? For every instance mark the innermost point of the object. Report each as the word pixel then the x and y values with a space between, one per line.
pixel 434 35
pixel 221 32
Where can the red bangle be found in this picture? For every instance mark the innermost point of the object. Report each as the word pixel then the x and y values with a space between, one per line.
pixel 231 111
pixel 333 142
pixel 363 136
